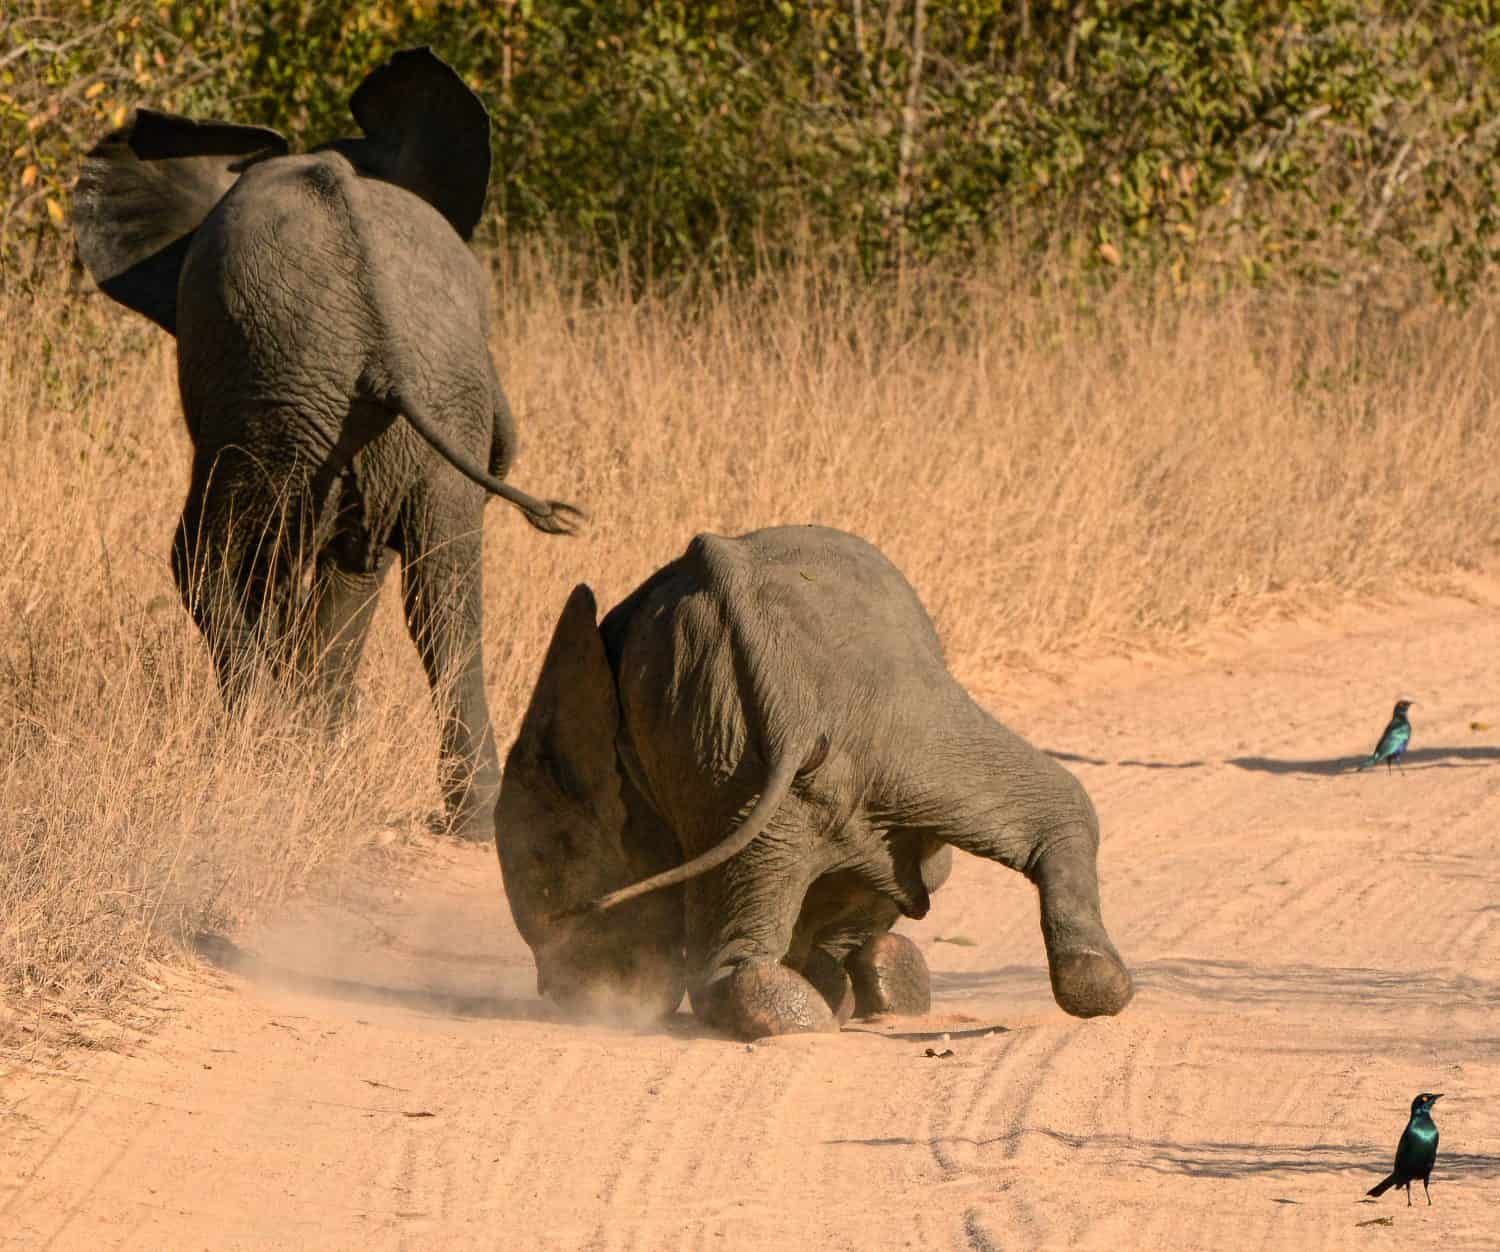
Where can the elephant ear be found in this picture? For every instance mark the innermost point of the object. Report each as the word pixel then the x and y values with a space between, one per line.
pixel 144 189
pixel 427 132
pixel 570 726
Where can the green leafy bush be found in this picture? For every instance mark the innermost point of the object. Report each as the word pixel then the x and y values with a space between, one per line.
pixel 1337 141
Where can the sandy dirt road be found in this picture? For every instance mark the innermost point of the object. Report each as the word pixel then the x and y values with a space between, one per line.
pixel 1312 948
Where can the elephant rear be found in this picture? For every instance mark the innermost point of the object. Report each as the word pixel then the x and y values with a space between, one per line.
pixel 309 288
pixel 796 639
pixel 804 645
pixel 318 299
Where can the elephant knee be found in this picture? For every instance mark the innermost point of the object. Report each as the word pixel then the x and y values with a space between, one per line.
pixel 763 997
pixel 831 981
pixel 890 975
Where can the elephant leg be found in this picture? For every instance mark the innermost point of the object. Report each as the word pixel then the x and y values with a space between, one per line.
pixel 838 914
pixel 343 605
pixel 828 976
pixel 888 972
pixel 740 925
pixel 844 948
pixel 440 577
pixel 889 975
pixel 762 997
pixel 866 975
pixel 224 564
pixel 199 572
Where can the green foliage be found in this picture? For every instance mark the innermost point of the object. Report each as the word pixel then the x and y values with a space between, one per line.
pixel 1333 140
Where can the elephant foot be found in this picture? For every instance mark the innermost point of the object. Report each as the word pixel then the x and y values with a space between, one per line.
pixel 467 819
pixel 474 829
pixel 468 827
pixel 762 998
pixel 832 983
pixel 1090 984
pixel 890 975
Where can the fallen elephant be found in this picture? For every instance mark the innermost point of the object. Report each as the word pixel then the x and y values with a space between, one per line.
pixel 775 708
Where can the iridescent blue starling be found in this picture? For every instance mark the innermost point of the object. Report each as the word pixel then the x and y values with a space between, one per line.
pixel 1393 739
pixel 1416 1152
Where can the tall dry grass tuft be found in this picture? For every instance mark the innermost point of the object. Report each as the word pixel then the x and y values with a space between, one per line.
pixel 1050 476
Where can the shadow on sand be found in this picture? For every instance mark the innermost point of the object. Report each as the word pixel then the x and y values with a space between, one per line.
pixel 1077 758
pixel 223 953
pixel 1244 984
pixel 227 955
pixel 1218 1160
pixel 926 1036
pixel 1418 759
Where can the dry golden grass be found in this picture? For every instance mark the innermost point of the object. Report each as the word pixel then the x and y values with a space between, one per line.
pixel 1050 478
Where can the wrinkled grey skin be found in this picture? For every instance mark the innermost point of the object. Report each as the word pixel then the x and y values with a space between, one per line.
pixel 777 709
pixel 336 378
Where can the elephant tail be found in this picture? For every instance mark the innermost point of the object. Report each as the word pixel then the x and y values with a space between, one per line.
pixel 552 517
pixel 778 784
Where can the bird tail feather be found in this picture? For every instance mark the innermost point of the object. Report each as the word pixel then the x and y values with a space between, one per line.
pixel 1380 1188
pixel 1369 760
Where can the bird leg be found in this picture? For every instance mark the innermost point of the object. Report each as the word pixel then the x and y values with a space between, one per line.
pixel 1427 1193
pixel 1408 1193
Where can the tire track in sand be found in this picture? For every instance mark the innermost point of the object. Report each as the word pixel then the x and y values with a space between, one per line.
pixel 1310 951
pixel 662 1148
pixel 980 1108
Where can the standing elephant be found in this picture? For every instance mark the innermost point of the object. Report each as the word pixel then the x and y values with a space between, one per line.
pixel 317 299
pixel 777 709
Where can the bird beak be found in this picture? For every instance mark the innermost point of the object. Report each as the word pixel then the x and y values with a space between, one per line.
pixel 1436 1098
